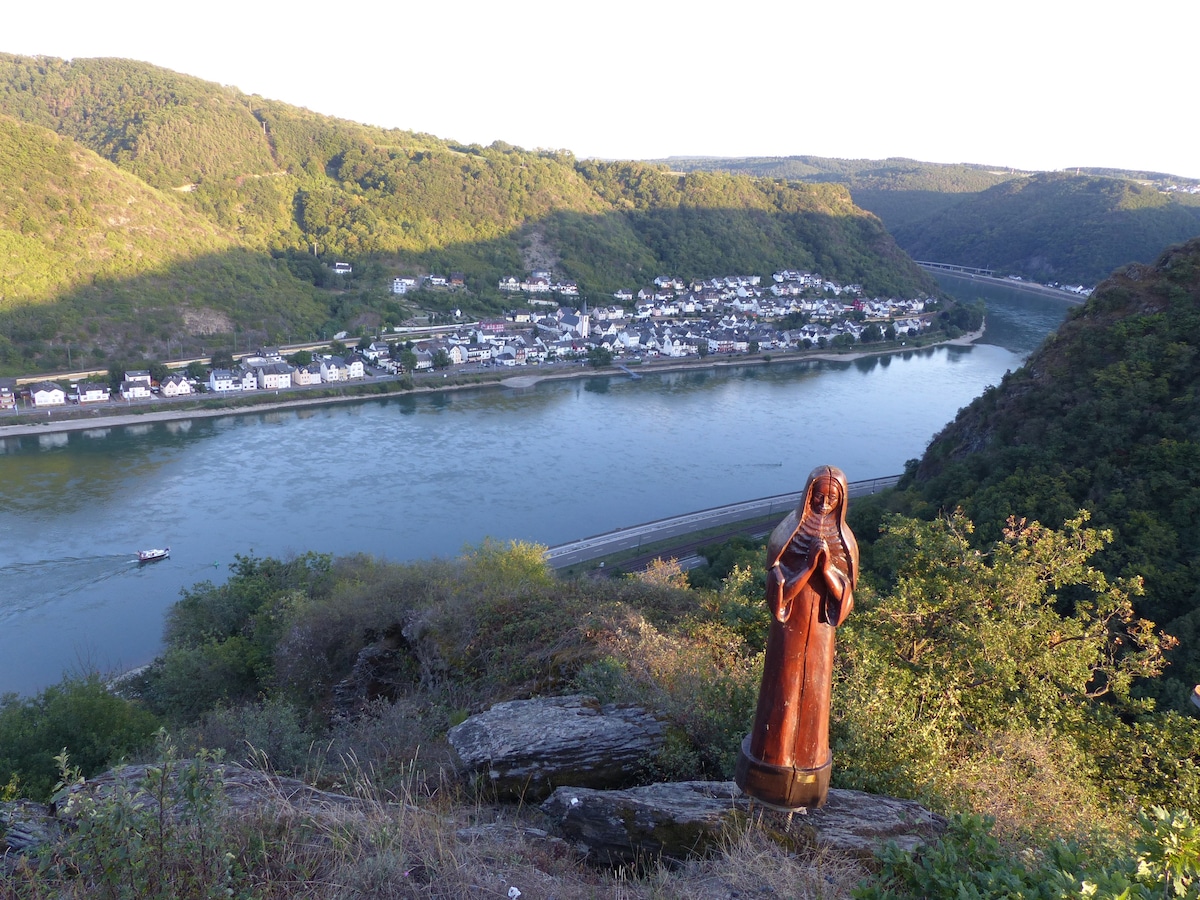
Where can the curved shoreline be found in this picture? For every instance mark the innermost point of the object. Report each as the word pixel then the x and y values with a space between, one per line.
pixel 52 425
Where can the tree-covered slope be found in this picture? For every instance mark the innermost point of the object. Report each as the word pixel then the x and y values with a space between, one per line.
pixel 1048 226
pixel 1054 227
pixel 95 261
pixel 714 222
pixel 273 186
pixel 168 129
pixel 68 217
pixel 1105 416
pixel 899 191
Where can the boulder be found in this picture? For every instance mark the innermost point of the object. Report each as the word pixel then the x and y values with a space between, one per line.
pixel 526 748
pixel 687 819
pixel 673 820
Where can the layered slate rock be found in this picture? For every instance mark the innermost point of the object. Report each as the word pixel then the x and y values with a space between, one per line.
pixel 527 748
pixel 692 818
pixel 27 828
pixel 675 820
pixel 241 789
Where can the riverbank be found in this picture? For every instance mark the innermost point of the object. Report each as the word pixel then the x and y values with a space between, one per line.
pixel 1028 287
pixel 358 393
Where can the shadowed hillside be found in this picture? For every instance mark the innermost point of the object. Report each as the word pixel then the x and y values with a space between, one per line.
pixel 1047 226
pixel 208 211
pixel 1057 227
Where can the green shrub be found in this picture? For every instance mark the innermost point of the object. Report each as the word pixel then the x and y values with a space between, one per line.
pixel 968 863
pixel 79 715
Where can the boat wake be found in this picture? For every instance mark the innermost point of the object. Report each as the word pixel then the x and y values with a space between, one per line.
pixel 31 585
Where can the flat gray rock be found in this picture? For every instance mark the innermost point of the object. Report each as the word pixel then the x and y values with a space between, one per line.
pixel 692 818
pixel 526 748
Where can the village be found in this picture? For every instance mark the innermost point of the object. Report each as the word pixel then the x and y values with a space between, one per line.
pixel 673 319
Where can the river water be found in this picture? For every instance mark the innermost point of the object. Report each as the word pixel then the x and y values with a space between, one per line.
pixel 416 477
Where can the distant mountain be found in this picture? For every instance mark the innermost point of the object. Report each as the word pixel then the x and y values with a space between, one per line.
pixel 1046 226
pixel 254 199
pixel 1054 227
pixel 1105 416
pixel 897 190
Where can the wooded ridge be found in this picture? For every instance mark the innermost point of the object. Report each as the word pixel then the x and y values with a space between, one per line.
pixel 1072 226
pixel 255 200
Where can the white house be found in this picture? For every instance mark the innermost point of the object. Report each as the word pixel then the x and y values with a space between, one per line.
pixel 135 390
pixel 93 392
pixel 222 380
pixel 378 350
pixel 175 386
pixel 273 376
pixel 139 375
pixel 47 393
pixel 333 368
pixel 249 378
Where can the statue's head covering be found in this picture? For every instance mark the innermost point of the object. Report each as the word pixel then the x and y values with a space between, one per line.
pixel 787 529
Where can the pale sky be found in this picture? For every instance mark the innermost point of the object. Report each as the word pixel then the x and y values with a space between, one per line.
pixel 1031 84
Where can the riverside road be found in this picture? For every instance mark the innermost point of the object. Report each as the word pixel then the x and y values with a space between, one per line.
pixel 632 538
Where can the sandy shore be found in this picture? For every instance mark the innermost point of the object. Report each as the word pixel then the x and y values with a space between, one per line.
pixel 52 424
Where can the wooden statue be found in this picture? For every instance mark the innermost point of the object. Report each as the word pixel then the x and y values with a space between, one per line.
pixel 812 568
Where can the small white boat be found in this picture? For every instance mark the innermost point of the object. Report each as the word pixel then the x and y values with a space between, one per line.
pixel 145 556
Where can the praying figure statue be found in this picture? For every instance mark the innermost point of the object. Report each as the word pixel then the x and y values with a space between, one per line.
pixel 812 568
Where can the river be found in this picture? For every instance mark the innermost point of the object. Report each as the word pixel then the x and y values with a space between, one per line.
pixel 420 476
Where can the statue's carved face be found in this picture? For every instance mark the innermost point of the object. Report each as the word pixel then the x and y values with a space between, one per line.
pixel 825 497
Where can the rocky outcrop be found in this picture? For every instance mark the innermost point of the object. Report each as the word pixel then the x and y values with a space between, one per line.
pixel 686 819
pixel 240 789
pixel 25 827
pixel 526 748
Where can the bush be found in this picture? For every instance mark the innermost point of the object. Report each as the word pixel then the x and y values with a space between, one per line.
pixel 968 863
pixel 268 733
pixel 79 715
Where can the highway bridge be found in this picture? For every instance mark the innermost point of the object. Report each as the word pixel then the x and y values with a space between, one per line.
pixel 633 537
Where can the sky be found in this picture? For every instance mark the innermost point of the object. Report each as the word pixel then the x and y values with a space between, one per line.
pixel 1027 84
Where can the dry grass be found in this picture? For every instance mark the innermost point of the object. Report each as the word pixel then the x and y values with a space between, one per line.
pixel 388 845
pixel 1034 786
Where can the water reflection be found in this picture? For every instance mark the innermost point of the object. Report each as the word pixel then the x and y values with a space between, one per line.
pixel 549 463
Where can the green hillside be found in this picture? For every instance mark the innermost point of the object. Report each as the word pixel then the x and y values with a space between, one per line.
pixel 1047 226
pixel 94 263
pixel 1105 416
pixel 282 193
pixel 1057 227
pixel 899 191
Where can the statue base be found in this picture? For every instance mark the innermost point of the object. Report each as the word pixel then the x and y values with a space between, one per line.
pixel 785 788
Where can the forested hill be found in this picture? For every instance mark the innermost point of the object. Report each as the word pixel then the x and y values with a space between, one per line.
pixel 1105 416
pixel 897 190
pixel 273 184
pixel 1054 227
pixel 1048 226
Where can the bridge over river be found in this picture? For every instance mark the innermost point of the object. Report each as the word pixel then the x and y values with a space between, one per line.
pixel 632 538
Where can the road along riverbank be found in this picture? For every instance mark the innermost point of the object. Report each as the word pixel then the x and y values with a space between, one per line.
pixel 562 556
